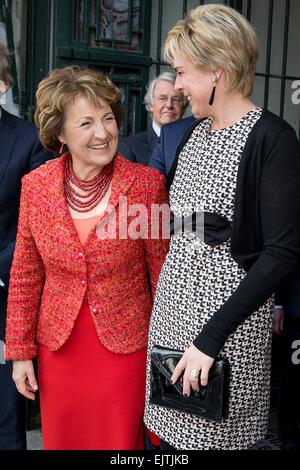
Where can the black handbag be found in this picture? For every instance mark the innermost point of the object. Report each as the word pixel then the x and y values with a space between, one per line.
pixel 210 403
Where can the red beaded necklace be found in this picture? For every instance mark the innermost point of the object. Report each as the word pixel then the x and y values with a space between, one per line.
pixel 92 191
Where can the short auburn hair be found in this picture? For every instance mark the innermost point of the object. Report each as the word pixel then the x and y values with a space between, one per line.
pixel 60 88
pixel 213 36
pixel 5 66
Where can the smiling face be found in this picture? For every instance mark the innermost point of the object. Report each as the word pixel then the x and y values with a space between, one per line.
pixel 167 103
pixel 91 134
pixel 194 83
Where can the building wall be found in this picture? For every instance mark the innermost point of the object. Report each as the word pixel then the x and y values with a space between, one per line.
pixel 278 66
pixel 279 57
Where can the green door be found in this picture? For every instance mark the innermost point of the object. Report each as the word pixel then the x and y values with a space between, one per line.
pixel 111 35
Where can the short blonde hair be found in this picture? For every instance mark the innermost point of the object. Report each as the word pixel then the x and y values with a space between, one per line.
pixel 213 36
pixel 60 88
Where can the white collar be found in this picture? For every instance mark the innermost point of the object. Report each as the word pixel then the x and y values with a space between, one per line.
pixel 156 128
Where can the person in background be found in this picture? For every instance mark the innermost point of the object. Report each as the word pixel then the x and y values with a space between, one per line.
pixel 165 105
pixel 286 322
pixel 166 148
pixel 82 301
pixel 20 152
pixel 240 169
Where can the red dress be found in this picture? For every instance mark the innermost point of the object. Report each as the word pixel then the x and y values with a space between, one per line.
pixel 91 398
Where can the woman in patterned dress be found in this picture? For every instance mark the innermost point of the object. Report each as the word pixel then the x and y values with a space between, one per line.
pixel 216 296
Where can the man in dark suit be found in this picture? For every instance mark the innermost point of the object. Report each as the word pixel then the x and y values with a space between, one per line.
pixel 165 105
pixel 170 137
pixel 286 321
pixel 20 152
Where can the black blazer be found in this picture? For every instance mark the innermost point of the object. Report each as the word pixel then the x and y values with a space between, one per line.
pixel 265 236
pixel 138 148
pixel 20 152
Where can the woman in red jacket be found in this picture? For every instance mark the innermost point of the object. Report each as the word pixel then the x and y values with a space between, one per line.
pixel 80 297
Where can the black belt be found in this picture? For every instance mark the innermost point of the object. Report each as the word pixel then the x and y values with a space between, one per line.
pixel 212 228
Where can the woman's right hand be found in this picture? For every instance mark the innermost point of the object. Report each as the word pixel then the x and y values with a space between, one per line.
pixel 24 378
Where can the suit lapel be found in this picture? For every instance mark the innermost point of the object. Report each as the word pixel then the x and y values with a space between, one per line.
pixel 186 136
pixel 152 139
pixel 7 140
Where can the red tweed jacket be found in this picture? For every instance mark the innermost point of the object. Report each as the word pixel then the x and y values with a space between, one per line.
pixel 52 272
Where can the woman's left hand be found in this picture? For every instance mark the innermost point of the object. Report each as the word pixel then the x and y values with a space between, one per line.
pixel 195 365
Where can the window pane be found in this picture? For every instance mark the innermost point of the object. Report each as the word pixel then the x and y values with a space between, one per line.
pixel 277 37
pixel 191 4
pixel 113 21
pixel 274 95
pixel 109 24
pixel 79 20
pixel 154 29
pixel 172 12
pixel 259 91
pixel 259 19
pixel 293 58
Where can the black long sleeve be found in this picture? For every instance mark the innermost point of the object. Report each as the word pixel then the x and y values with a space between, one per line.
pixel 279 220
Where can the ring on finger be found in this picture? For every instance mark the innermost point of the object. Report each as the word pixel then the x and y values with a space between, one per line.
pixel 195 374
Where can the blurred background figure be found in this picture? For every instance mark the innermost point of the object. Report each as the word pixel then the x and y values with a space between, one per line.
pixel 165 105
pixel 20 152
pixel 286 322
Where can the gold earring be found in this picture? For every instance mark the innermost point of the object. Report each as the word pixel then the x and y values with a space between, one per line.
pixel 212 96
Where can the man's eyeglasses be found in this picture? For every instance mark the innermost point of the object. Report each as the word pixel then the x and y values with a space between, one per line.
pixel 164 99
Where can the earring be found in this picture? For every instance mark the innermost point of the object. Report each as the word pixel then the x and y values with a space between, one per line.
pixel 63 149
pixel 212 96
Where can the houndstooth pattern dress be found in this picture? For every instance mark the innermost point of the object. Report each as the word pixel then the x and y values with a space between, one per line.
pixel 195 281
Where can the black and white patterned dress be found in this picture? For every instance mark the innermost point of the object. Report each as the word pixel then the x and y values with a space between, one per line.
pixel 195 281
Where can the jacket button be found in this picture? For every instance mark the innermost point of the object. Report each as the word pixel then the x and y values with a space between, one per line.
pixel 80 255
pixel 83 282
pixel 94 310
